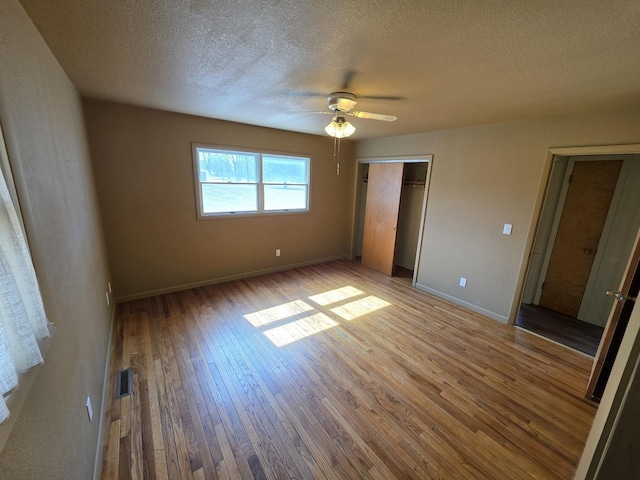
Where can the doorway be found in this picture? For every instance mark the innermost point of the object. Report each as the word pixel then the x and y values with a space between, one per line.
pixel 391 199
pixel 585 234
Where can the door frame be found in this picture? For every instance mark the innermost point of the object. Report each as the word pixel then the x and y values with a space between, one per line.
pixel 554 229
pixel 617 310
pixel 614 399
pixel 630 149
pixel 426 158
pixel 606 228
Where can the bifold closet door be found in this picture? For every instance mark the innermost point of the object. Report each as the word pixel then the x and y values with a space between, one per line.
pixel 381 216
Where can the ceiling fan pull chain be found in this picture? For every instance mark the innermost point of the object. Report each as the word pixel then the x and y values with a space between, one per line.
pixel 338 158
pixel 336 155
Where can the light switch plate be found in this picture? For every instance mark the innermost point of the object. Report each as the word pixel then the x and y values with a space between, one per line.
pixel 507 229
pixel 463 282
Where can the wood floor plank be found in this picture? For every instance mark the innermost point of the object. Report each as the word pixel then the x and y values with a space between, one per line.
pixel 310 398
pixel 149 410
pixel 334 371
pixel 261 416
pixel 113 452
pixel 160 465
pixel 199 419
pixel 300 403
pixel 266 417
pixel 171 455
pixel 244 459
pixel 314 405
pixel 173 395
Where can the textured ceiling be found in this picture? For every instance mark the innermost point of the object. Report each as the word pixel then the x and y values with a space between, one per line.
pixel 448 63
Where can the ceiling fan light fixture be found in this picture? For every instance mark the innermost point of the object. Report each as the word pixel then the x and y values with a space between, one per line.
pixel 339 128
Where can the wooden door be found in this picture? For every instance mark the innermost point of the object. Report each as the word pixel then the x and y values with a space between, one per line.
pixel 381 216
pixel 591 188
pixel 626 296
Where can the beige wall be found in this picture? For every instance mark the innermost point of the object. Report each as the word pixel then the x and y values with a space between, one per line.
pixel 144 173
pixel 41 117
pixel 484 177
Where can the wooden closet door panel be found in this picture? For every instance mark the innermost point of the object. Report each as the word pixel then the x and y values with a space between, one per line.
pixel 381 216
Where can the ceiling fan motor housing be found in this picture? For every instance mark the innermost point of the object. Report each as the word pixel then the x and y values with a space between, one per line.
pixel 342 101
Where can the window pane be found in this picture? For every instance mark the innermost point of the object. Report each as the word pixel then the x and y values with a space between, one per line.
pixel 224 198
pixel 285 197
pixel 220 166
pixel 279 169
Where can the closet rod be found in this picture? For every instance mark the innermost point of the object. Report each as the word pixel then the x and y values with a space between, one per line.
pixel 415 183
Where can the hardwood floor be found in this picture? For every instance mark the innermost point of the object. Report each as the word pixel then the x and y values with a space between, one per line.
pixel 335 371
pixel 560 328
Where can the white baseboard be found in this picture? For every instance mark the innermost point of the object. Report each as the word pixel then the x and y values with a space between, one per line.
pixel 494 316
pixel 214 281
pixel 97 466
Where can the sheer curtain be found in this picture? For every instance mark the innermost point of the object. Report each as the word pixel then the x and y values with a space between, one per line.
pixel 22 318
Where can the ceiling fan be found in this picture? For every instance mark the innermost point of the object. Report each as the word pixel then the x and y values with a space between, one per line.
pixel 342 104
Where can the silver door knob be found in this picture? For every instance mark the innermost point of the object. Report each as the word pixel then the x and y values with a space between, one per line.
pixel 588 251
pixel 617 295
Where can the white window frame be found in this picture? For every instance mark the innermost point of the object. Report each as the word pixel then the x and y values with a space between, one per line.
pixel 260 183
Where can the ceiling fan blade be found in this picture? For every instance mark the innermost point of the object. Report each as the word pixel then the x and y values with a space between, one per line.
pixel 302 94
pixel 381 97
pixel 309 111
pixel 374 116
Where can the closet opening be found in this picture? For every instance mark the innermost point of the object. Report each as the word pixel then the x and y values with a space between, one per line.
pixel 390 209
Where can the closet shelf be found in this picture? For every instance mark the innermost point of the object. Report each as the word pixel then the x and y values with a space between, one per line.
pixel 415 183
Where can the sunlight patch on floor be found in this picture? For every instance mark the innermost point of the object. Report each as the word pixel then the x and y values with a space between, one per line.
pixel 294 331
pixel 300 320
pixel 279 312
pixel 337 295
pixel 359 308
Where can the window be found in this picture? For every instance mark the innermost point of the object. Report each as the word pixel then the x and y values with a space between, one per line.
pixel 231 182
pixel 23 322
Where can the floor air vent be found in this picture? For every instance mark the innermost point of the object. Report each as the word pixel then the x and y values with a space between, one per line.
pixel 124 383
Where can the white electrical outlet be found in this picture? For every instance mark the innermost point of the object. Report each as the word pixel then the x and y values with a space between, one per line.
pixel 108 300
pixel 506 230
pixel 277 252
pixel 463 282
pixel 89 409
